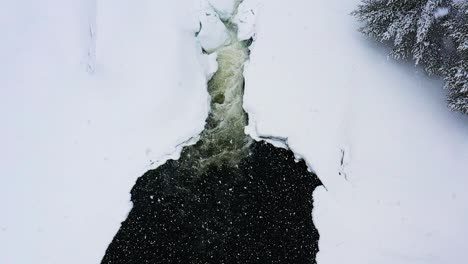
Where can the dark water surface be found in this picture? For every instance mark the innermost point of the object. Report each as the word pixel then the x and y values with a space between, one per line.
pixel 257 212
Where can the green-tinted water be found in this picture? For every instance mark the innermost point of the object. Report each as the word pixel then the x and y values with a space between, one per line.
pixel 223 140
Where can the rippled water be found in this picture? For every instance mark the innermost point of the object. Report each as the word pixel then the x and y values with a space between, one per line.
pixel 223 139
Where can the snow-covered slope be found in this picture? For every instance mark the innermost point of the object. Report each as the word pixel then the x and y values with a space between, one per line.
pixel 90 96
pixel 391 156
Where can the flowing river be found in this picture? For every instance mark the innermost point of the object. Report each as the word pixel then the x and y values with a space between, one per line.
pixel 228 199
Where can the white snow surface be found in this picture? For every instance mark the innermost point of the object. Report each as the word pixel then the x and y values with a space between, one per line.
pixel 440 12
pixel 225 8
pixel 213 33
pixel 91 95
pixel 391 156
pixel 245 19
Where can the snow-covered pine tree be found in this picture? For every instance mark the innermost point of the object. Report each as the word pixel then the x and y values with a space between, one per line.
pixel 457 71
pixel 433 33
pixel 409 26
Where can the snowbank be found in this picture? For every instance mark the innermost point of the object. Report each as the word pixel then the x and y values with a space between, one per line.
pixel 246 18
pixel 90 97
pixel 213 34
pixel 391 156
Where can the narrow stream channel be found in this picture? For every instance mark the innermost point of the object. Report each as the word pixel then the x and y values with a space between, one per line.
pixel 228 199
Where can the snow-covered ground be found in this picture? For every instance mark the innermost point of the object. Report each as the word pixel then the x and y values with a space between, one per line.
pixel 398 194
pixel 90 96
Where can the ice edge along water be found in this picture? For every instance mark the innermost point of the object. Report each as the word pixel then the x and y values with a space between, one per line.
pixel 223 23
pixel 216 31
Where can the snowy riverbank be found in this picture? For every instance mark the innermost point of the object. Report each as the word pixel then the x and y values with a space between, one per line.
pixel 74 142
pixel 397 195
